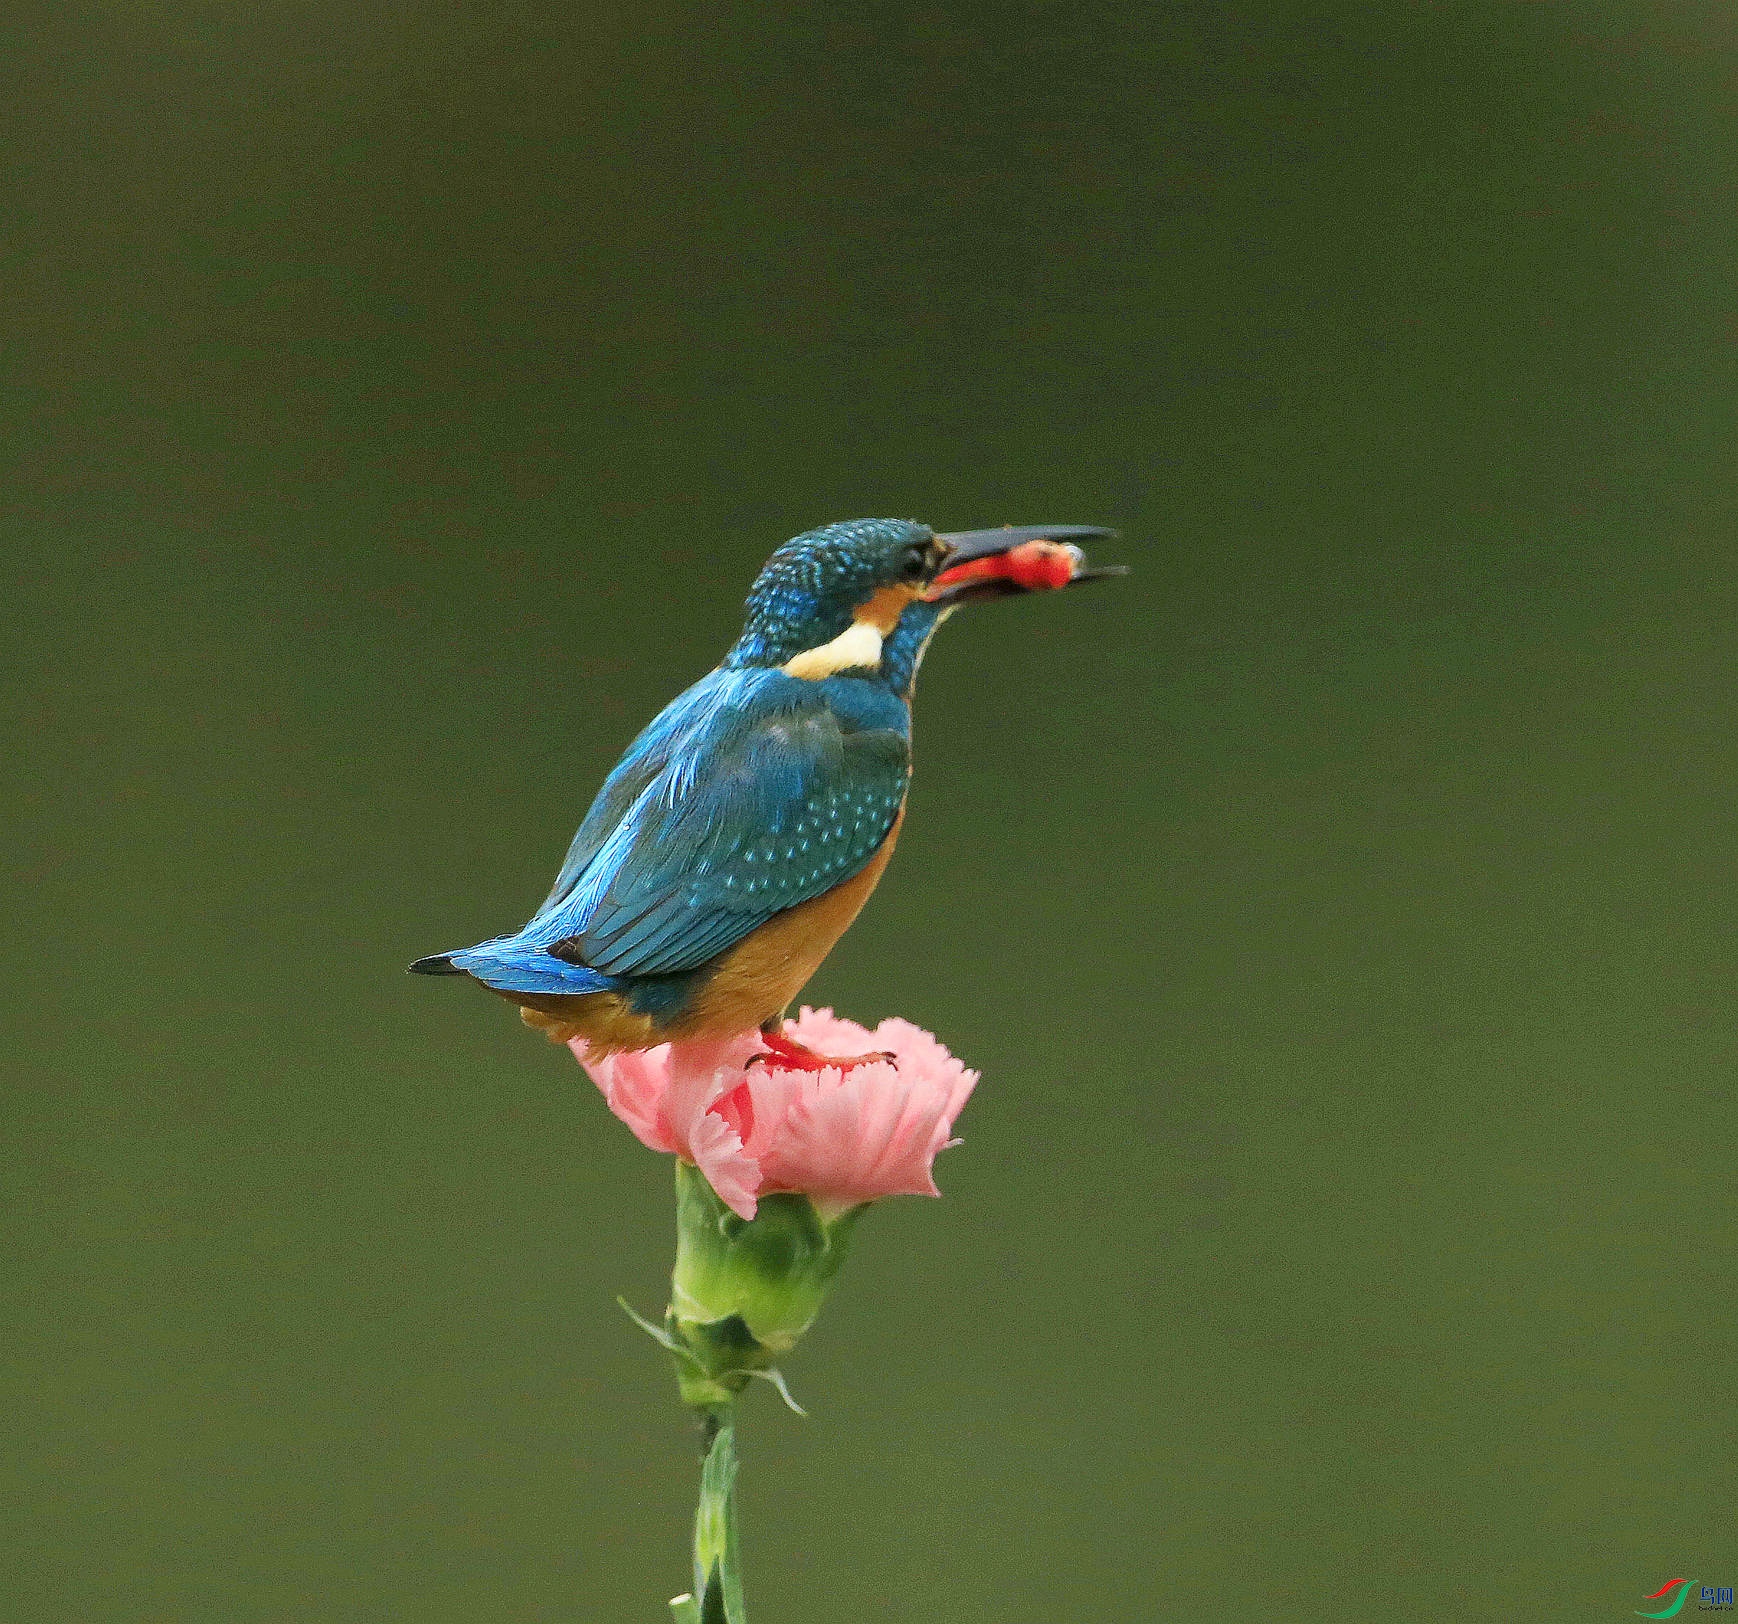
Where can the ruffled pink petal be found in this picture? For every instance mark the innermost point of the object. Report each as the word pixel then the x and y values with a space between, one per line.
pixel 634 1087
pixel 673 1098
pixel 922 1053
pixel 703 1076
pixel 827 1033
pixel 854 1136
pixel 840 1137
pixel 716 1149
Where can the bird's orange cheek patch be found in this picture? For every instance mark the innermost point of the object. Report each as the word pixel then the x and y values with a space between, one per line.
pixel 883 610
pixel 1034 566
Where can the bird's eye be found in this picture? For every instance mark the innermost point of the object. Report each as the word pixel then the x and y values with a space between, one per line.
pixel 916 564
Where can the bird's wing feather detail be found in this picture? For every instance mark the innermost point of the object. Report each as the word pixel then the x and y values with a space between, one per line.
pixel 771 793
pixel 642 762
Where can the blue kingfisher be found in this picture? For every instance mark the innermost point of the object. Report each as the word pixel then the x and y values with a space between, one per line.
pixel 744 829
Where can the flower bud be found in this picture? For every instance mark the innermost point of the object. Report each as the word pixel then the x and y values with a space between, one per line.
pixel 744 1290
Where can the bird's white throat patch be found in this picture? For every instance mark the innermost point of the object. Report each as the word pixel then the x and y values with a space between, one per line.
pixel 857 646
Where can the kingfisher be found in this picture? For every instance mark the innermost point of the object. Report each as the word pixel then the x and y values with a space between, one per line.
pixel 744 829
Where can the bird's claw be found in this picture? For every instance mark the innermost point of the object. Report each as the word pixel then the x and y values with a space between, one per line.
pixel 789 1055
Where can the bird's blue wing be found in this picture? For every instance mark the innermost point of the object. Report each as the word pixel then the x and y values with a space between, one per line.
pixel 773 791
pixel 643 760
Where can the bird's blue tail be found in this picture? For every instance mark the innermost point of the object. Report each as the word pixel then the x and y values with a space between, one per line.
pixel 510 965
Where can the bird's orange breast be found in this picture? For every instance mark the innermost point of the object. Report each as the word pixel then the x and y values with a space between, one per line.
pixel 758 977
pixel 750 983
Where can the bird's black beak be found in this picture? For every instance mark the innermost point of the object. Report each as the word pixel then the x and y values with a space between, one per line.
pixel 1016 559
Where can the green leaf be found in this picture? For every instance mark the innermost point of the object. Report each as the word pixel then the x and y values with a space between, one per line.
pixel 717 1561
pixel 712 1604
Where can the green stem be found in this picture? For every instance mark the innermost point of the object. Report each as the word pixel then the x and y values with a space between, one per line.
pixel 717 1594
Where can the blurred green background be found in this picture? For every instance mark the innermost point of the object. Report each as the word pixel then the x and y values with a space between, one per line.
pixel 397 403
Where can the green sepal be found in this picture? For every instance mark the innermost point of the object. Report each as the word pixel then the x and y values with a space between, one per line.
pixel 714 1361
pixel 771 1272
pixel 656 1332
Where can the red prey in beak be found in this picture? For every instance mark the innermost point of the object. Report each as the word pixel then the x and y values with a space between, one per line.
pixel 1003 563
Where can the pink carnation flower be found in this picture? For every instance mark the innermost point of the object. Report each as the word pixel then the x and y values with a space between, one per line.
pixel 839 1137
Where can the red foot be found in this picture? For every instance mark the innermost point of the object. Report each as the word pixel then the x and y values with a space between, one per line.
pixel 789 1055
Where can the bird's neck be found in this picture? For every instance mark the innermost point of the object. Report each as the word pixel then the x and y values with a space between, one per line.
pixel 770 638
pixel 882 640
pixel 902 652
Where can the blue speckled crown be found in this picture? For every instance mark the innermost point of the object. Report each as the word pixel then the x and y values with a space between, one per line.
pixel 806 593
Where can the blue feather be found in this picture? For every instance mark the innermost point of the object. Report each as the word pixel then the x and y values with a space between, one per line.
pixel 643 761
pixel 510 965
pixel 772 791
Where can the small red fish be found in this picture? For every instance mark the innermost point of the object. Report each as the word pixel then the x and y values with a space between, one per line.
pixel 1034 566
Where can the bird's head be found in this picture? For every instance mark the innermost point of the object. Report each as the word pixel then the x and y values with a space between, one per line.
pixel 868 592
